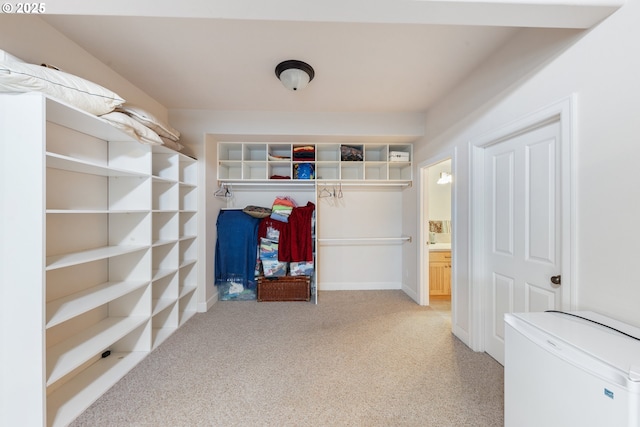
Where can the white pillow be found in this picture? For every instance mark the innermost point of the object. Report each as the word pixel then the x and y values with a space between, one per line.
pixel 74 90
pixel 163 129
pixel 133 128
pixel 169 143
pixel 6 56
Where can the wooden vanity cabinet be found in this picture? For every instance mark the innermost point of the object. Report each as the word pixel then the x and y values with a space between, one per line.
pixel 440 273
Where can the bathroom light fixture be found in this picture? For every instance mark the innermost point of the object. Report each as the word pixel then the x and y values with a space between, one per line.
pixel 294 74
pixel 445 178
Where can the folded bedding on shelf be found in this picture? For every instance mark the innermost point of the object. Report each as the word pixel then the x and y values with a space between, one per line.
pixel 174 145
pixel 149 120
pixel 71 89
pixel 306 152
pixel 132 128
pixel 144 127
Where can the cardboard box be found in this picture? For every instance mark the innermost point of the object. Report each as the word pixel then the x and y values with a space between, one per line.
pixel 398 156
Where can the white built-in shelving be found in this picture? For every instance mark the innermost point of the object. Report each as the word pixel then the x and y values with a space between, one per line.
pixel 99 256
pixel 256 162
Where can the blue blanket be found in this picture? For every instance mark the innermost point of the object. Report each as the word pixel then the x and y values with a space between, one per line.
pixel 236 247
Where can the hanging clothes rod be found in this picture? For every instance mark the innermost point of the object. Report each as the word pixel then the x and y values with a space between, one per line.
pixel 364 183
pixel 364 239
pixel 312 182
pixel 278 182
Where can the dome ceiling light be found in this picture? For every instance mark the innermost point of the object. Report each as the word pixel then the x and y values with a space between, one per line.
pixel 294 74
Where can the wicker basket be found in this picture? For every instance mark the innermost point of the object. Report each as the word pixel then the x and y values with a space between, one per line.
pixel 284 288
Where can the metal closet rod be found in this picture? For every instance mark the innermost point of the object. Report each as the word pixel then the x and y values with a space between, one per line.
pixel 366 239
pixel 310 182
pixel 278 182
pixel 364 183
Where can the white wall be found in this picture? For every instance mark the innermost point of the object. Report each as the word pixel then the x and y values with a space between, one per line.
pixel 371 213
pixel 536 69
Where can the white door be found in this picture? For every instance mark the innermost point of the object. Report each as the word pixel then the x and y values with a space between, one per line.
pixel 522 228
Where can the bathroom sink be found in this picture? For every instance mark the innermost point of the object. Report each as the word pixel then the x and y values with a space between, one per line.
pixel 439 246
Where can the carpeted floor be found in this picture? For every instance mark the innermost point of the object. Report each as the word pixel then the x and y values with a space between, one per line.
pixel 361 358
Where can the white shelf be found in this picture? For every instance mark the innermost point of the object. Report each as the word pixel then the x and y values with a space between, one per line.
pixel 67 260
pixel 63 309
pixel 72 398
pixel 160 273
pixel 187 290
pixel 72 353
pixel 156 243
pixel 187 262
pixel 99 228
pixel 161 180
pixel 161 304
pixel 57 161
pixel 94 211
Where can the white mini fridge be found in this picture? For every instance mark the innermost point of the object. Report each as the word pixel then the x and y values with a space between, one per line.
pixel 563 370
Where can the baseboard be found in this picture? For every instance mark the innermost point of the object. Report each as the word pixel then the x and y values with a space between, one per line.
pixel 411 293
pixel 203 307
pixel 462 335
pixel 358 286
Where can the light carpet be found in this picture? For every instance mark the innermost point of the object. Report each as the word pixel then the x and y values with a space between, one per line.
pixel 358 358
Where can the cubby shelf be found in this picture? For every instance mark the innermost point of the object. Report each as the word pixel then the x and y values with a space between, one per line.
pixel 101 230
pixel 277 162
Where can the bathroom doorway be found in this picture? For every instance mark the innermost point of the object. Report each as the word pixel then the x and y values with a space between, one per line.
pixel 436 215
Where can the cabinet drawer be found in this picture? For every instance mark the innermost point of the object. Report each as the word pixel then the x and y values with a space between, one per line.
pixel 440 256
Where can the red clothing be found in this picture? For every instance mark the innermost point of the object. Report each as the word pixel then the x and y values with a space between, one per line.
pixel 300 238
pixel 295 243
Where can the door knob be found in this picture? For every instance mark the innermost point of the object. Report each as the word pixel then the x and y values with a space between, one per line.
pixel 556 280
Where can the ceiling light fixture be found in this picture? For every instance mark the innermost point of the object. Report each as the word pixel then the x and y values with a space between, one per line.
pixel 294 74
pixel 445 178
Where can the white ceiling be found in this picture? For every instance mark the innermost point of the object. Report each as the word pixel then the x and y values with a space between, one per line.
pixel 187 57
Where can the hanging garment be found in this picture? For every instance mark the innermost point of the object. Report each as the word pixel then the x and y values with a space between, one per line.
pixel 236 247
pixel 300 237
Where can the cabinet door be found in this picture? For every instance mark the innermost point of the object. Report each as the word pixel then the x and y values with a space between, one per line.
pixel 440 273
